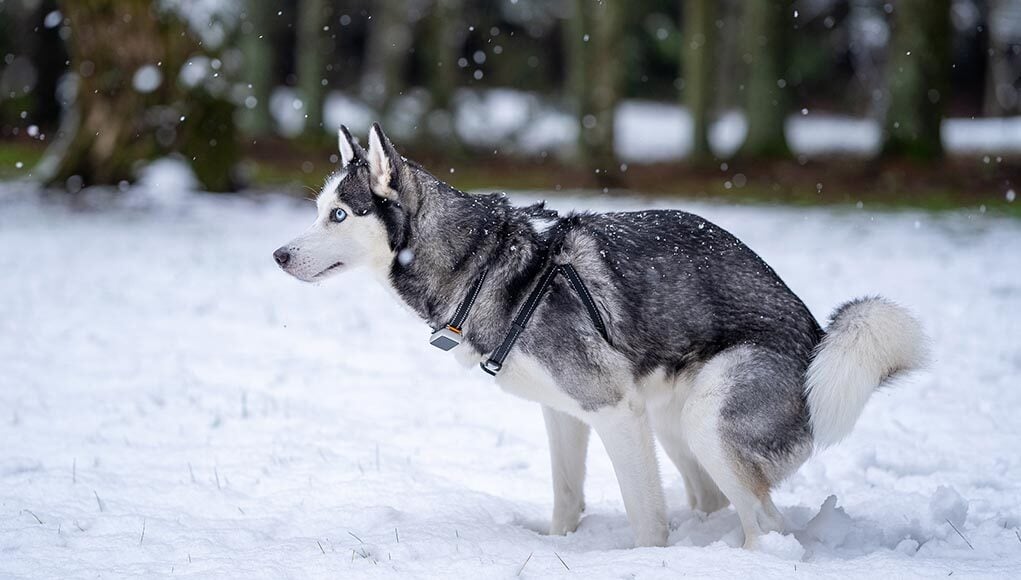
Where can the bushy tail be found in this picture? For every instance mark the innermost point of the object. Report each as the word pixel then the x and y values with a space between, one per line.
pixel 868 341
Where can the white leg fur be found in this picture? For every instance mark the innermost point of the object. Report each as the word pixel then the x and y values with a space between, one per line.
pixel 700 420
pixel 568 445
pixel 703 493
pixel 627 436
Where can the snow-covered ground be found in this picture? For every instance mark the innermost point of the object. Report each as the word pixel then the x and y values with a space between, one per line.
pixel 173 405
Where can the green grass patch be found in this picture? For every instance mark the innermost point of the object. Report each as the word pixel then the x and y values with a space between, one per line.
pixel 18 159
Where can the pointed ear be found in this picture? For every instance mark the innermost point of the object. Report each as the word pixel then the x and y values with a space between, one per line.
pixel 385 164
pixel 349 149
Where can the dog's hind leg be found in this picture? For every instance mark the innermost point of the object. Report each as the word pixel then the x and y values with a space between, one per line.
pixel 746 423
pixel 568 444
pixel 627 436
pixel 702 492
pixel 749 495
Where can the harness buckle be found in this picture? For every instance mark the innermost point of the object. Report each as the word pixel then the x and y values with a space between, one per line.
pixel 446 338
pixel 491 366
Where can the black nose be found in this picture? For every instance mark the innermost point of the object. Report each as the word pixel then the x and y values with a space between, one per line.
pixel 282 256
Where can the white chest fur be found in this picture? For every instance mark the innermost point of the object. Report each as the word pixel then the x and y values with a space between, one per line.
pixel 524 376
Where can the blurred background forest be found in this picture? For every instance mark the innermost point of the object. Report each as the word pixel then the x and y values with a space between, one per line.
pixel 901 102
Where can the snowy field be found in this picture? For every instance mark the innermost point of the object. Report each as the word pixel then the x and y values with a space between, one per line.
pixel 172 405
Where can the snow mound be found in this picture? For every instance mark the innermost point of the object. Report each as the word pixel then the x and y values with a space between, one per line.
pixel 831 525
pixel 948 505
pixel 781 546
pixel 168 181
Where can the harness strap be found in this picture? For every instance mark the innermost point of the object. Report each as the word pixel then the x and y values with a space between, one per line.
pixel 449 336
pixel 461 314
pixel 586 298
pixel 495 361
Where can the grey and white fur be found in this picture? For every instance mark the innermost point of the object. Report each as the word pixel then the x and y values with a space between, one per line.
pixel 709 351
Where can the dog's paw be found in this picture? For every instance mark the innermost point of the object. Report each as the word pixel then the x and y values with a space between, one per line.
pixel 566 518
pixel 564 525
pixel 565 521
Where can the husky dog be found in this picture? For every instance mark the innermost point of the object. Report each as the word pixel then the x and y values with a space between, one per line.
pixel 704 347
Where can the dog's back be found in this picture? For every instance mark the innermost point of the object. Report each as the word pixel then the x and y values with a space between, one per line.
pixel 685 289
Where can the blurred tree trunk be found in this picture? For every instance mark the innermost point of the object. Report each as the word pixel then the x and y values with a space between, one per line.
pixel 918 78
pixel 257 36
pixel 442 48
pixel 386 53
pixel 208 139
pixel 697 61
pixel 107 133
pixel 727 57
pixel 1002 96
pixel 129 107
pixel 32 60
pixel 594 80
pixel 311 19
pixel 866 57
pixel 50 59
pixel 766 31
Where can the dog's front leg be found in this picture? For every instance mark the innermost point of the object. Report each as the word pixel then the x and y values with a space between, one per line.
pixel 627 436
pixel 568 444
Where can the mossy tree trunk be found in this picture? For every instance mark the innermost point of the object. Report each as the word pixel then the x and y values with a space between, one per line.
pixel 918 79
pixel 116 123
pixel 767 26
pixel 109 132
pixel 209 140
pixel 311 19
pixel 256 41
pixel 698 70
pixel 594 33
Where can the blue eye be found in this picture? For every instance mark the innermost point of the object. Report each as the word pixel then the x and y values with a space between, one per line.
pixel 338 215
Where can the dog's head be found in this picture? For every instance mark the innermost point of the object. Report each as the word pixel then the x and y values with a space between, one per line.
pixel 350 229
pixel 383 210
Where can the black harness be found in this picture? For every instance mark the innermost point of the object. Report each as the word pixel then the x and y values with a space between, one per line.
pixel 449 336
